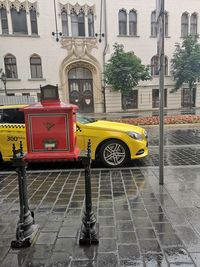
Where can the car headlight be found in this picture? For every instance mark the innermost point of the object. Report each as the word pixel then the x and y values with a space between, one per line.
pixel 135 135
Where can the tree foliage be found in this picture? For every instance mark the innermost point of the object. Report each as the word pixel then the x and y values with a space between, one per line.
pixel 185 63
pixel 124 70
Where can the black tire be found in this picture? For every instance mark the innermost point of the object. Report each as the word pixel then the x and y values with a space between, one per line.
pixel 114 153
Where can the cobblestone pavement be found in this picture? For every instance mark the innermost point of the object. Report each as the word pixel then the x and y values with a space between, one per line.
pixel 141 223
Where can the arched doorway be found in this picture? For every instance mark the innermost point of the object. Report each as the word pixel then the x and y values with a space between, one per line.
pixel 80 89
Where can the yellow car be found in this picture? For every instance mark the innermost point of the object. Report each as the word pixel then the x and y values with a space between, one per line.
pixel 113 143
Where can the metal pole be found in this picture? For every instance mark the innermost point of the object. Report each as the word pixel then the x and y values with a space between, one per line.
pixel 5 88
pixel 161 92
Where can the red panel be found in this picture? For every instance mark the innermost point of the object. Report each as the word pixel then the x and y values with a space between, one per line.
pixel 48 128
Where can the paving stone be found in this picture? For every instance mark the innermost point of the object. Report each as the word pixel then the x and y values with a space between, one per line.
pixel 107 260
pixel 170 239
pixel 59 259
pixel 126 237
pixel 129 251
pixel 145 233
pixel 108 231
pixel 177 255
pixel 149 246
pixel 155 260
pixel 107 245
pixel 83 263
pixel 131 263
pixel 46 238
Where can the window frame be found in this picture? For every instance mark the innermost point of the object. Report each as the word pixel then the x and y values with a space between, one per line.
pixel 90 23
pixel 64 22
pixel 36 68
pixel 122 22
pixel 19 20
pixel 154 66
pixel 194 24
pixel 133 23
pixel 154 28
pixel 10 66
pixel 4 20
pixel 155 98
pixel 184 24
pixel 33 21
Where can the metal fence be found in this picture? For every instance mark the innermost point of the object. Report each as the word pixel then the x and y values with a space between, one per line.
pixel 14 100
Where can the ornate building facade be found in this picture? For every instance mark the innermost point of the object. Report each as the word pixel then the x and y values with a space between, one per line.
pixel 68 42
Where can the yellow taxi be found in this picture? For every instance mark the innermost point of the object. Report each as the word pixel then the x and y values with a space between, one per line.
pixel 113 143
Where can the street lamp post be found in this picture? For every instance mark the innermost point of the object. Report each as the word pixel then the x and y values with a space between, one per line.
pixel 3 78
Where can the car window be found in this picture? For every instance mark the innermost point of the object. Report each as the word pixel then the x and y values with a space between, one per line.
pixel 13 115
pixel 84 120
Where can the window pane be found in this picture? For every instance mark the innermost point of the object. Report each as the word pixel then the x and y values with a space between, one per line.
pixel 122 22
pixel 166 25
pixel 81 24
pixel 19 21
pixel 130 101
pixel 33 18
pixel 193 25
pixel 132 23
pixel 74 21
pixel 153 24
pixel 10 67
pixel 64 23
pixel 80 73
pixel 184 25
pixel 36 67
pixel 91 24
pixel 4 21
pixel 155 98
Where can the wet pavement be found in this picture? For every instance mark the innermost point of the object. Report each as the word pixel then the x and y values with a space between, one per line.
pixel 141 223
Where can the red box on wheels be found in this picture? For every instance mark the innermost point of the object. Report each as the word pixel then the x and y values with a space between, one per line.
pixel 50 128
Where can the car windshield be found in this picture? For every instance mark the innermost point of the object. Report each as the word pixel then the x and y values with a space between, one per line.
pixel 11 116
pixel 84 120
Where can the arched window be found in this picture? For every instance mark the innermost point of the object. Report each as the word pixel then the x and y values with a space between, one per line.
pixel 153 24
pixel 33 18
pixel 155 65
pixel 132 22
pixel 78 23
pixel 184 25
pixel 10 66
pixel 193 24
pixel 36 66
pixel 4 20
pixel 64 19
pixel 122 17
pixel 90 23
pixel 19 22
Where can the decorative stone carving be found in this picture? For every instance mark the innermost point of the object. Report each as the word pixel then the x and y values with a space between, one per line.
pixel 3 4
pixel 18 5
pixel 79 46
pixel 86 8
pixel 23 4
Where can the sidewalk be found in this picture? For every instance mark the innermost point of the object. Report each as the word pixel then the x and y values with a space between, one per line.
pixel 141 223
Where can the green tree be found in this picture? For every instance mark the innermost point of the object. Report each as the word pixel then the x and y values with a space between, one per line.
pixel 185 64
pixel 124 70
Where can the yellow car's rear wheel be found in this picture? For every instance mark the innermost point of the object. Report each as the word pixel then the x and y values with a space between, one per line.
pixel 114 153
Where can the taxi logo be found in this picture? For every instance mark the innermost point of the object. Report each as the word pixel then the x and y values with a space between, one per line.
pixel 49 125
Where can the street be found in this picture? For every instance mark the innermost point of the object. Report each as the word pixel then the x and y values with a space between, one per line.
pixel 140 223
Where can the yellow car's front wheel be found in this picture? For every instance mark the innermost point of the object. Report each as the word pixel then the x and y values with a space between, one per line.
pixel 114 153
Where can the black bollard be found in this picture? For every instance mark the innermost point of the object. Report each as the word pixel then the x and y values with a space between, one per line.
pixel 26 228
pixel 88 232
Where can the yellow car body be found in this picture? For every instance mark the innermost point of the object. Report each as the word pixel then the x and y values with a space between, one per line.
pixel 112 143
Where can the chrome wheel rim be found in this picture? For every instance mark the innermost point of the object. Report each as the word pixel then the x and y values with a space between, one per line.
pixel 114 154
